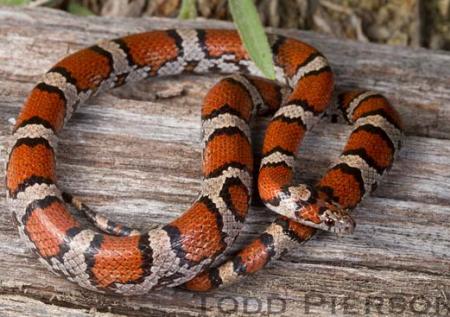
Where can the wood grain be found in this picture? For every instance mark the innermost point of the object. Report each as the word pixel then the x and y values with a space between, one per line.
pixel 134 154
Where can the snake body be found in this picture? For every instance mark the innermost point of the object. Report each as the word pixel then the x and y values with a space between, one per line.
pixel 126 261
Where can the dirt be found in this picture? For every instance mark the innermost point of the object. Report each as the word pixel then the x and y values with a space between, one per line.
pixel 417 23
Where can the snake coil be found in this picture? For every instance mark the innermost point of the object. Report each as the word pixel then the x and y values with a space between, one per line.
pixel 126 261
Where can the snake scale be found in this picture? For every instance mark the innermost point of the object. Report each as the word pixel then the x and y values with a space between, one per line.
pixel 126 261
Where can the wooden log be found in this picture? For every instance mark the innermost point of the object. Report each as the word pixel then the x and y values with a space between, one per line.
pixel 134 154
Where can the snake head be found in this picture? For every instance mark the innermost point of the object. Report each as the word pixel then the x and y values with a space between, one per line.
pixel 328 217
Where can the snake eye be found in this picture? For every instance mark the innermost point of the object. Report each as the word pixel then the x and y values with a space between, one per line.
pixel 329 222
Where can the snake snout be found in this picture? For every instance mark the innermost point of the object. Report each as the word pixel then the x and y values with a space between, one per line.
pixel 346 225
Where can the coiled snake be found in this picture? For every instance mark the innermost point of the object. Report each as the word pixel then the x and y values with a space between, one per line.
pixel 127 261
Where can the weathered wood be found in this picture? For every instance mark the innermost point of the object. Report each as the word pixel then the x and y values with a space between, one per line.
pixel 135 156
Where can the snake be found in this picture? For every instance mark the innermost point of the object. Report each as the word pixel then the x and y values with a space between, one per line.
pixel 189 251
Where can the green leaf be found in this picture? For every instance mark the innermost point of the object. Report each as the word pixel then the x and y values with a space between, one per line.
pixel 251 30
pixel 78 9
pixel 14 2
pixel 187 10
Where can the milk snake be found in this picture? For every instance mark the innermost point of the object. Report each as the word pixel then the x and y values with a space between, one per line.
pixel 126 261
